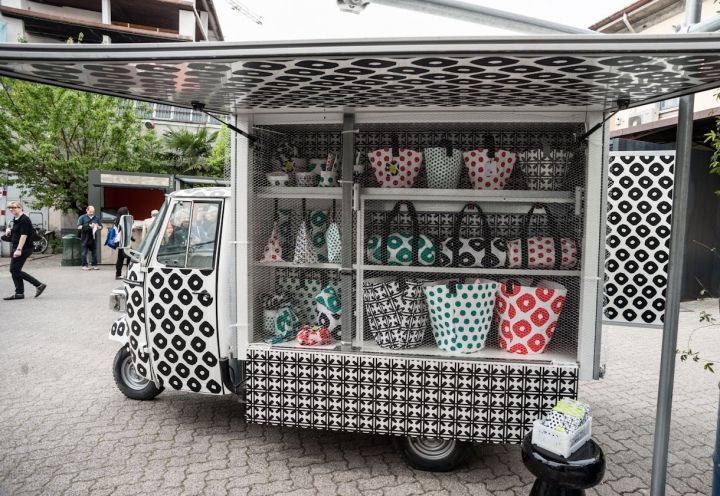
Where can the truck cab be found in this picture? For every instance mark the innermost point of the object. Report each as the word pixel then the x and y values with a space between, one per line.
pixel 176 295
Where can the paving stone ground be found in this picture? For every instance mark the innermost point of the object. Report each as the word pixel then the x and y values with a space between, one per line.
pixel 66 429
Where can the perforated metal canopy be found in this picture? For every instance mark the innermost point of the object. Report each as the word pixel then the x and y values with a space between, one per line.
pixel 560 72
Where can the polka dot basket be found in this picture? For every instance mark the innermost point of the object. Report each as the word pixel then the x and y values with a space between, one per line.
pixel 461 313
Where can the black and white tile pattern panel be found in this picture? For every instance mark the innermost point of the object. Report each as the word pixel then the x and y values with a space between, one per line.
pixel 416 80
pixel 135 322
pixel 182 329
pixel 638 236
pixel 474 401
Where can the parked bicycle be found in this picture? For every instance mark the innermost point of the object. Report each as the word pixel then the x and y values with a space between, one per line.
pixel 40 243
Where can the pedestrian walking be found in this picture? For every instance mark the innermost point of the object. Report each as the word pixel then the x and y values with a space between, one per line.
pixel 89 225
pixel 22 247
pixel 121 256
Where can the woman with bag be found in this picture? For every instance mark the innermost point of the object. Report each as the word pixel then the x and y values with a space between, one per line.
pixel 121 257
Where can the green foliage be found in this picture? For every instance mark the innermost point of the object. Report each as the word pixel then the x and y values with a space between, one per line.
pixel 713 138
pixel 190 152
pixel 51 137
pixel 220 154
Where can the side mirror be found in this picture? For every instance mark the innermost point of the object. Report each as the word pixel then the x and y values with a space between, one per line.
pixel 126 226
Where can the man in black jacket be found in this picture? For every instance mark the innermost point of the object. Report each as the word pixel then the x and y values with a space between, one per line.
pixel 89 225
pixel 21 241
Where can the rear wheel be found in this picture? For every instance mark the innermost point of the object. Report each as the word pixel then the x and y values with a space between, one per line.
pixel 432 454
pixel 127 379
pixel 40 245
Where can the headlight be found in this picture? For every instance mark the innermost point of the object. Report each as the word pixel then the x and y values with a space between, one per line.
pixel 117 300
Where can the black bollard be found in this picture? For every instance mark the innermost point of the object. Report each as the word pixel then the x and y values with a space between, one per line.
pixel 558 476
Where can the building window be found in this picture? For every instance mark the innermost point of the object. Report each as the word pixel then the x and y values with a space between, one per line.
pixel 182 114
pixel 669 104
pixel 199 117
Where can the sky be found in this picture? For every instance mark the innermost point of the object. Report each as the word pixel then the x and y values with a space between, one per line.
pixel 322 19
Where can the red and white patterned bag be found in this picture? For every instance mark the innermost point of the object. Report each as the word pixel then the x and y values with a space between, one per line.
pixel 527 315
pixel 541 252
pixel 273 249
pixel 487 173
pixel 395 172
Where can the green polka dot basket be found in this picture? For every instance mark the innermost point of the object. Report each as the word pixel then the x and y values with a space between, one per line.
pixel 460 313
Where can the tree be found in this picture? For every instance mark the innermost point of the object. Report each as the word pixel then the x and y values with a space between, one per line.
pixel 51 137
pixel 190 152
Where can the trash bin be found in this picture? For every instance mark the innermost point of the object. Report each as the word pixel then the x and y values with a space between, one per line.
pixel 71 250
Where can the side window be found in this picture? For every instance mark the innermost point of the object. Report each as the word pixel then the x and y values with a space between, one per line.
pixel 203 235
pixel 173 247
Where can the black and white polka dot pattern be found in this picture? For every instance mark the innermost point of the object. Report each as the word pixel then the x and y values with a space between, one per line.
pixel 435 75
pixel 472 401
pixel 181 327
pixel 135 319
pixel 638 236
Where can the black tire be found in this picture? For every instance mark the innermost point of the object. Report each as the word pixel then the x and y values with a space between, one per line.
pixel 128 381
pixel 433 455
pixel 40 245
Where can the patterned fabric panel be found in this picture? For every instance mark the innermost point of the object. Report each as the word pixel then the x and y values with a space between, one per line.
pixel 474 401
pixel 182 330
pixel 638 236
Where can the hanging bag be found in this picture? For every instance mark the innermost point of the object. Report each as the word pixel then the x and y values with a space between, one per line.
pixel 397 317
pixel 273 249
pixel 318 223
pixel 395 167
pixel 443 166
pixel 541 252
pixel 280 323
pixel 485 251
pixel 461 313
pixel 314 335
pixel 333 241
pixel 304 248
pixel 488 167
pixel 110 241
pixel 399 248
pixel 527 315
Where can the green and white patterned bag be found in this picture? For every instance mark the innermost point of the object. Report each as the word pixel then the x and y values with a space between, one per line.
pixel 332 240
pixel 302 293
pixel 327 304
pixel 318 227
pixel 401 248
pixel 444 166
pixel 461 313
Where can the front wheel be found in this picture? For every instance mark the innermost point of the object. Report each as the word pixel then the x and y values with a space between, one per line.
pixel 432 454
pixel 127 379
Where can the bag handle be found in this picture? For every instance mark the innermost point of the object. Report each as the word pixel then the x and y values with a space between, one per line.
pixel 414 240
pixel 276 211
pixel 333 211
pixel 394 145
pixel 457 226
pixel 489 144
pixel 552 227
pixel 445 143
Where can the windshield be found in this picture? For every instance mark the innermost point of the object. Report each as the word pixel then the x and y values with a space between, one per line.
pixel 147 241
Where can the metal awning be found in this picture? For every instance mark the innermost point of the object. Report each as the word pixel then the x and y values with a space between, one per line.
pixel 568 72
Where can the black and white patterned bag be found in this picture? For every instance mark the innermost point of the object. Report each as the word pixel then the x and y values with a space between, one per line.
pixel 486 251
pixel 397 316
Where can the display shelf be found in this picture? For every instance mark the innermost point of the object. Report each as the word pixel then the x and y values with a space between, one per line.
pixel 300 192
pixel 472 271
pixel 467 195
pixel 294 345
pixel 488 353
pixel 292 265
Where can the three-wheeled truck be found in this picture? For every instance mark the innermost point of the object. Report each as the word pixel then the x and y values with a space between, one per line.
pixel 437 242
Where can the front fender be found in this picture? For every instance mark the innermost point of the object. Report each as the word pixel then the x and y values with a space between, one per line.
pixel 120 330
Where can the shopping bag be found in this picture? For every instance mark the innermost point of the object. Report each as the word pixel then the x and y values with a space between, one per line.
pixel 486 172
pixel 443 166
pixel 301 292
pixel 542 252
pixel 273 249
pixel 527 315
pixel 318 222
pixel 304 248
pixel 461 313
pixel 401 248
pixel 332 240
pixel 397 317
pixel 314 335
pixel 280 323
pixel 395 171
pixel 486 251
pixel 328 310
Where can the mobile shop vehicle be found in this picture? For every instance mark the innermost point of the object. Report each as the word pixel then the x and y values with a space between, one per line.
pixel 194 307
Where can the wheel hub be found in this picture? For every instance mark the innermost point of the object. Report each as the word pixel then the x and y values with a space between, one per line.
pixel 130 375
pixel 431 448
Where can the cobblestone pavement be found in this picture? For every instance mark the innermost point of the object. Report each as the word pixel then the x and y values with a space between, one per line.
pixel 66 429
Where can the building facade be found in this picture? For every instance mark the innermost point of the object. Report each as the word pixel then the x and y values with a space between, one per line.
pixel 657 121
pixel 105 21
